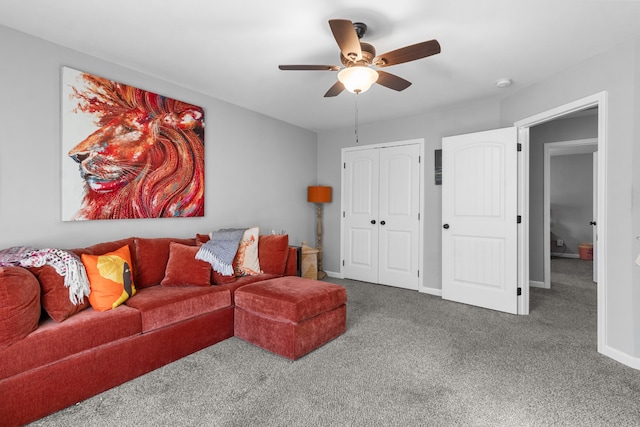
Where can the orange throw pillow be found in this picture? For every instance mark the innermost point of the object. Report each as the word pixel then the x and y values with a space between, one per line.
pixel 110 278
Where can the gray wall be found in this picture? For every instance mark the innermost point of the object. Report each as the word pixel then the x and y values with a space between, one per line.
pixel 571 200
pixel 615 72
pixel 635 197
pixel 257 168
pixel 553 131
pixel 432 127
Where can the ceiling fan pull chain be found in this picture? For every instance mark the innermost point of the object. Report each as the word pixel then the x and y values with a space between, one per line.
pixel 356 103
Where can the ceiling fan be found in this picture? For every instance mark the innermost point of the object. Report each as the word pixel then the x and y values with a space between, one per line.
pixel 359 57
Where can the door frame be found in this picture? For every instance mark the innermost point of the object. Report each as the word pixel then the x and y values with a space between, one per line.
pixel 551 149
pixel 421 249
pixel 596 100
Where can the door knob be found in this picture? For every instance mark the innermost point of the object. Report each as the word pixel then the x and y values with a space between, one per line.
pixel 373 221
pixel 446 226
pixel 382 223
pixel 592 223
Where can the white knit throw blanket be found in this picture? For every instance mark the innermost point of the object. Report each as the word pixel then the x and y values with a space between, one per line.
pixel 66 264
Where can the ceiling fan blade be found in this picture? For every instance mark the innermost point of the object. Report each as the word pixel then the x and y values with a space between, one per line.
pixel 347 39
pixel 408 53
pixel 309 67
pixel 334 90
pixel 392 81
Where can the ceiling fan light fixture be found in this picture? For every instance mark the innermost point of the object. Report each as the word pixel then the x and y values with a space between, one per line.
pixel 357 79
pixel 503 83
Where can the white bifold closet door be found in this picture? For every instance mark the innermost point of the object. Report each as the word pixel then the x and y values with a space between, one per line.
pixel 381 214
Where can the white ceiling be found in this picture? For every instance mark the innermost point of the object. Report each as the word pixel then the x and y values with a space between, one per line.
pixel 232 51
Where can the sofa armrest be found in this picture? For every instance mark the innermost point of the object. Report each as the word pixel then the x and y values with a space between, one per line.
pixel 293 267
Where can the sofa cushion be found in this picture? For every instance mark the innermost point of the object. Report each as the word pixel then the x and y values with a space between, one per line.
pixel 246 262
pixel 54 341
pixel 246 280
pixel 202 238
pixel 110 277
pixel 19 305
pixel 183 269
pixel 152 255
pixel 54 296
pixel 273 251
pixel 221 279
pixel 160 306
pixel 103 248
pixel 290 298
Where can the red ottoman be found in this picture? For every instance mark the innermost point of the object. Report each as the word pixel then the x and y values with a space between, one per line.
pixel 290 316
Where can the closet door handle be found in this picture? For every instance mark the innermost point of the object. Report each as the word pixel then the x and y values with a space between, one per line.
pixel 592 223
pixel 373 221
pixel 382 223
pixel 446 226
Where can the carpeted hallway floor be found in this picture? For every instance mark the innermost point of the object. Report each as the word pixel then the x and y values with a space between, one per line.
pixel 407 359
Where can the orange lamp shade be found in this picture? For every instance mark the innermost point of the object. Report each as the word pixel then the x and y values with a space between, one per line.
pixel 319 194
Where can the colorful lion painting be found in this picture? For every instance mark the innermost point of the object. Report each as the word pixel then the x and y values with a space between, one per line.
pixel 146 158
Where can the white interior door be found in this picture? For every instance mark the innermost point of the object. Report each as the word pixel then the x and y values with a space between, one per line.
pixel 360 210
pixel 399 211
pixel 594 222
pixel 480 217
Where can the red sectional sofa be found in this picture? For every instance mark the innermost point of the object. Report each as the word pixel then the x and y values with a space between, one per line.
pixel 68 353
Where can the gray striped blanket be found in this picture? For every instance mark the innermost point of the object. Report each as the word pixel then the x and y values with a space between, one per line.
pixel 221 250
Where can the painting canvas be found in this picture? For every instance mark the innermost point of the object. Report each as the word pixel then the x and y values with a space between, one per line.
pixel 128 153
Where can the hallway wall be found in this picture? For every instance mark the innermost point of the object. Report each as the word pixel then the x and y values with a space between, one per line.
pixel 554 131
pixel 571 201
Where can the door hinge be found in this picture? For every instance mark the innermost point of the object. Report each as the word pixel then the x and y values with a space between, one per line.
pixel 519 291
pixel 344 214
pixel 343 263
pixel 418 216
pixel 344 165
pixel 419 159
pixel 519 219
pixel 418 273
pixel 519 146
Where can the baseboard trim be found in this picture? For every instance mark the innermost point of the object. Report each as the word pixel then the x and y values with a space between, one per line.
pixel 536 284
pixel 619 356
pixel 563 255
pixel 431 291
pixel 334 274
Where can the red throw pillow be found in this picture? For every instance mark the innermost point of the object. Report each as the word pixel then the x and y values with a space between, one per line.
pixel 183 269
pixel 20 308
pixel 152 255
pixel 54 295
pixel 273 251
